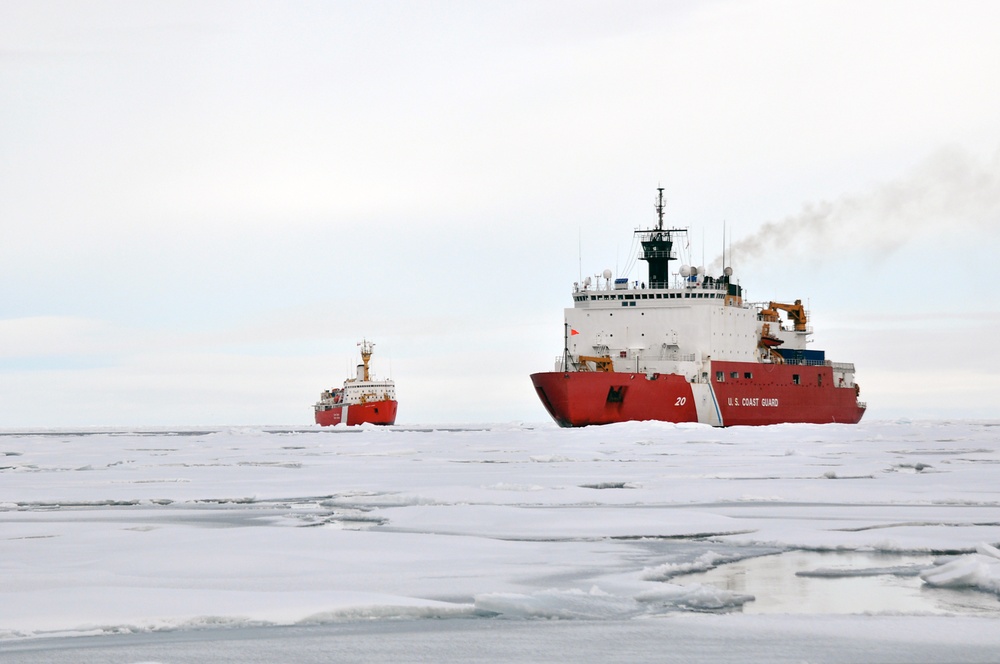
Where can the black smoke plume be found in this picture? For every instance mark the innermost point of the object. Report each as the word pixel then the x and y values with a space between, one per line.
pixel 950 191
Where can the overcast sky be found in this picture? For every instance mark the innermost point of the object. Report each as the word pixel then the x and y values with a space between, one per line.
pixel 205 205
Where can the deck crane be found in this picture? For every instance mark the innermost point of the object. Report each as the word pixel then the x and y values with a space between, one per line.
pixel 796 313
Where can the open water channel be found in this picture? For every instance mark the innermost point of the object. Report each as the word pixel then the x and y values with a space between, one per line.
pixel 842 582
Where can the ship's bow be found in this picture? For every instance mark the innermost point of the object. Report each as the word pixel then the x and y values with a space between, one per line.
pixel 582 398
pixel 553 390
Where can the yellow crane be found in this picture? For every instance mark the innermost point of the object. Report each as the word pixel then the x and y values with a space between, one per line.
pixel 796 313
pixel 601 363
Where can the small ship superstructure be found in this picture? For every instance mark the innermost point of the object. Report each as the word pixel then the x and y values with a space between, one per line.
pixel 686 347
pixel 361 400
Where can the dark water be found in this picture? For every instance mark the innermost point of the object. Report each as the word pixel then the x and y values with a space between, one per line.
pixel 716 639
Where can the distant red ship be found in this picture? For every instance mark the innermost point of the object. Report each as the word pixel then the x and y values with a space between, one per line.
pixel 690 351
pixel 361 400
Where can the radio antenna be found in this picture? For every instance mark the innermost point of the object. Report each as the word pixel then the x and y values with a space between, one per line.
pixel 659 209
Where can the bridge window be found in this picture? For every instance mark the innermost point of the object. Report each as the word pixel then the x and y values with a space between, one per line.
pixel 734 374
pixel 748 375
pixel 720 376
pixel 795 379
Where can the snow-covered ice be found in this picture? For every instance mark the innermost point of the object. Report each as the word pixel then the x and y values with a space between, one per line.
pixel 156 531
pixel 978 570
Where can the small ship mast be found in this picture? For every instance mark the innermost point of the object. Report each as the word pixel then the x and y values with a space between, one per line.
pixel 366 354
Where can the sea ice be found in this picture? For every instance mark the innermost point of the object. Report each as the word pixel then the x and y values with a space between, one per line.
pixel 149 530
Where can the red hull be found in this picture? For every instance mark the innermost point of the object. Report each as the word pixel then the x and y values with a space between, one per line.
pixel 770 395
pixel 372 412
pixel 601 397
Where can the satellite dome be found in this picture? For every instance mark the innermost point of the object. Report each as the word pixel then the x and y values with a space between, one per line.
pixel 607 274
pixel 685 270
pixel 728 272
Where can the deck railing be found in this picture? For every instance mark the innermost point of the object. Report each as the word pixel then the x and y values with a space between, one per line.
pixel 642 357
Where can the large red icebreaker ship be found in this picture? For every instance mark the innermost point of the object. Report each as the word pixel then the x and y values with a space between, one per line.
pixel 689 350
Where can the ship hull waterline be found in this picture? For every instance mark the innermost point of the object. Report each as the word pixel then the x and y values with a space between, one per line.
pixel 371 412
pixel 770 396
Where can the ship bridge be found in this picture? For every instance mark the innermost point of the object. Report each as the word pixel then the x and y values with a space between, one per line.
pixel 633 327
pixel 645 297
pixel 707 291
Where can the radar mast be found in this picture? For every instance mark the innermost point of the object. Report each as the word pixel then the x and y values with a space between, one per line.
pixel 657 247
